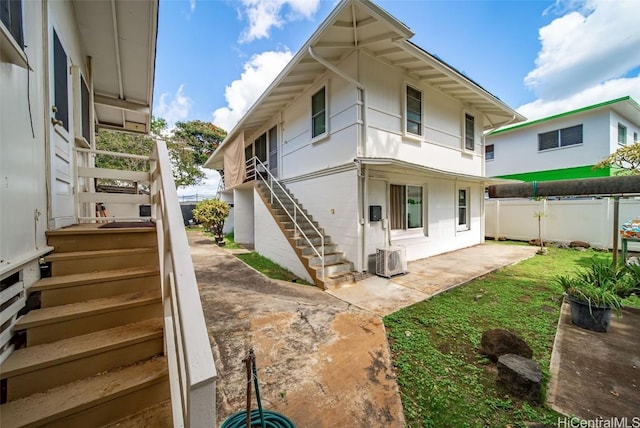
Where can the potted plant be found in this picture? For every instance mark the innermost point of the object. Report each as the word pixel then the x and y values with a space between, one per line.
pixel 595 291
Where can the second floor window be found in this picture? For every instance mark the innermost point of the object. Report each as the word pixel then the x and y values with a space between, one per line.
pixel 622 134
pixel 11 17
pixel 489 152
pixel 469 132
pixel 414 111
pixel 560 138
pixel 319 113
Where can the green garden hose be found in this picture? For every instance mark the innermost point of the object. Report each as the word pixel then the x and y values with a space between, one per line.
pixel 258 417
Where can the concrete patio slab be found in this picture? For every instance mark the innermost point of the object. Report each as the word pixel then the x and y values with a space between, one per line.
pixel 597 375
pixel 431 276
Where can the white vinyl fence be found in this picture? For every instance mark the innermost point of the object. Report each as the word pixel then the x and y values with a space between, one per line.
pixel 564 220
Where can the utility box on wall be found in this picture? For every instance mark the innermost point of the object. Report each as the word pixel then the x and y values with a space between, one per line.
pixel 375 212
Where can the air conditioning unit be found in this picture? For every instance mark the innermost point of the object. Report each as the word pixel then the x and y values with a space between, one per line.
pixel 391 261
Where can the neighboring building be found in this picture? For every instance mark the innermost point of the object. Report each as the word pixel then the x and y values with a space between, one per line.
pixel 564 146
pixel 380 141
pixel 64 71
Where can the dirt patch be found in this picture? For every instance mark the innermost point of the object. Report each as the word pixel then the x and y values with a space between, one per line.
pixel 320 362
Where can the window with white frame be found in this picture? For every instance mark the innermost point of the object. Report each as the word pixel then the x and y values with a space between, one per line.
pixel 635 137
pixel 489 152
pixel 11 17
pixel 463 209
pixel 413 112
pixel 469 132
pixel 61 82
pixel 319 113
pixel 622 134
pixel 406 207
pixel 560 138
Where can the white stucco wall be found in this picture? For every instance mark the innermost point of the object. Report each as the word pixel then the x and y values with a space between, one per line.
pixel 243 222
pixel 589 220
pixel 439 234
pixel 517 151
pixel 332 201
pixel 272 244
pixel 443 118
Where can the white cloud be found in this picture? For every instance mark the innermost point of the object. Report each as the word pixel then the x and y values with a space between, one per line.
pixel 585 48
pixel 173 109
pixel 192 5
pixel 205 190
pixel 263 15
pixel 609 90
pixel 585 57
pixel 258 74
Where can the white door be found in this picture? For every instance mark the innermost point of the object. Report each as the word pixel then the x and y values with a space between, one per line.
pixel 60 168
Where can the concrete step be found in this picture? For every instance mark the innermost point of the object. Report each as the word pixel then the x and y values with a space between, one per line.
pixel 337 280
pixel 329 258
pixel 93 401
pixel 38 368
pixel 61 322
pixel 91 237
pixel 93 261
pixel 309 232
pixel 65 289
pixel 301 242
pixel 335 268
pixel 308 250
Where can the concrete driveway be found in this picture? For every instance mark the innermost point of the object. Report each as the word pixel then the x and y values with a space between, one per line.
pixel 429 277
pixel 321 361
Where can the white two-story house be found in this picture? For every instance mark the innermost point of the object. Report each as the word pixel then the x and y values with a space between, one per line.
pixel 379 143
pixel 563 146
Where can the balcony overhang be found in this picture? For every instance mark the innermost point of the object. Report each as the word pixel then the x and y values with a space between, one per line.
pixel 119 38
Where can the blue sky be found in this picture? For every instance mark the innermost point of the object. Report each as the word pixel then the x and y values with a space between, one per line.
pixel 215 57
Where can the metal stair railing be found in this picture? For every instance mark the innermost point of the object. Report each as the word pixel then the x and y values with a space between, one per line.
pixel 256 170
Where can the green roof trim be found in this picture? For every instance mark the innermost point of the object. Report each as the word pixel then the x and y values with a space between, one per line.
pixel 561 174
pixel 568 113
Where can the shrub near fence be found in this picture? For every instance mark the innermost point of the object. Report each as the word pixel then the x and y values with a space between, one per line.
pixel 589 220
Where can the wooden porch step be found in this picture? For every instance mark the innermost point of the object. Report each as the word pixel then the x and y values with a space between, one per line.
pixel 64 321
pixel 91 237
pixel 65 289
pixel 92 261
pixel 93 401
pixel 38 368
pixel 157 416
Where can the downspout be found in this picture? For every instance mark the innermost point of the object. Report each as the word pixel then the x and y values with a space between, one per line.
pixel 484 174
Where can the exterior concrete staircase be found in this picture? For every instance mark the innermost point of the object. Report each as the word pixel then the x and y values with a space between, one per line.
pixel 94 347
pixel 338 271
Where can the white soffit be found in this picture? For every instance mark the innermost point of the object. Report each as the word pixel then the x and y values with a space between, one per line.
pixel 120 37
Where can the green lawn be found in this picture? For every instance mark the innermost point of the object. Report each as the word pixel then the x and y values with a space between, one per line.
pixel 269 268
pixel 444 381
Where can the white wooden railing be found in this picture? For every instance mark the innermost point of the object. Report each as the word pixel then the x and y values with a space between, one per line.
pixel 192 372
pixel 256 170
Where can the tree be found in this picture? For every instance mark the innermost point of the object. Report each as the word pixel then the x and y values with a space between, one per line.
pixel 202 137
pixel 212 213
pixel 626 158
pixel 183 160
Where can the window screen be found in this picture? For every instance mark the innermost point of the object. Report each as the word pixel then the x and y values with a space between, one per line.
pixel 61 81
pixel 622 134
pixel 414 111
pixel 489 152
pixel 318 113
pixel 548 140
pixel 84 94
pixel 463 207
pixel 11 17
pixel 571 136
pixel 469 132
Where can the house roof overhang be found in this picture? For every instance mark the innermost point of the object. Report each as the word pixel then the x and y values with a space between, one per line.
pixel 390 165
pixel 120 38
pixel 360 24
pixel 626 107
